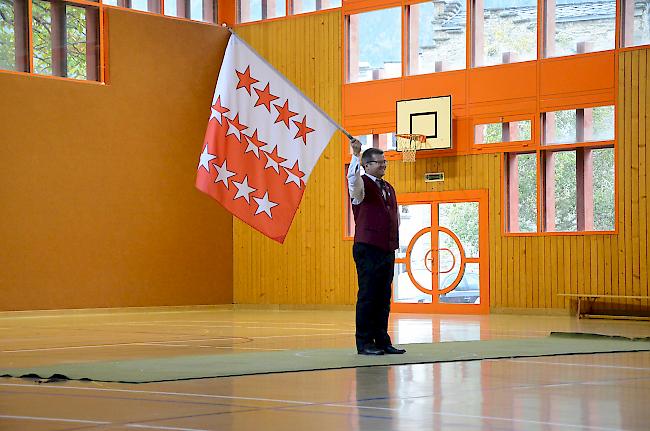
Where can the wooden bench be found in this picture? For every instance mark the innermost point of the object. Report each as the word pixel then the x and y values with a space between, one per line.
pixel 586 301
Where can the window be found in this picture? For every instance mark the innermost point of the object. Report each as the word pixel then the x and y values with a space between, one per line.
pixel 504 31
pixel 578 125
pixel 635 25
pixel 65 39
pixel 579 26
pixel 383 141
pixel 436 37
pixel 576 175
pixel 512 131
pixel 579 190
pixel 521 177
pixel 197 10
pixel 255 10
pixel 142 5
pixel 374 42
pixel 13 35
pixel 303 6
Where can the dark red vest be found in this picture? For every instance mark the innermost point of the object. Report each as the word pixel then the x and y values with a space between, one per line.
pixel 376 219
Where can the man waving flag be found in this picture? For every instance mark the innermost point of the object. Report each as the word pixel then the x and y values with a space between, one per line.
pixel 262 141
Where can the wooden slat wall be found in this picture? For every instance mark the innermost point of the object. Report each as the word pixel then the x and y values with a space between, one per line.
pixel 315 265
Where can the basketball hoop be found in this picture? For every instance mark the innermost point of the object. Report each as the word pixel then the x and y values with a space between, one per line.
pixel 409 145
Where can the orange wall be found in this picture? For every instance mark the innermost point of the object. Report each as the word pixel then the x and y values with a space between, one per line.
pixel 97 181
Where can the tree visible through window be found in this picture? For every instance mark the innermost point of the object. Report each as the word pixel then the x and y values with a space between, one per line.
pixel 7 35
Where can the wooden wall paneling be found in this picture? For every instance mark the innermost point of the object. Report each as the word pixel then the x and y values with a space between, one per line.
pixel 634 173
pixel 510 273
pixel 531 286
pixel 643 201
pixel 582 266
pixel 646 98
pixel 607 264
pixel 571 261
pixel 557 245
pixel 541 268
pixel 564 273
pixel 597 263
pixel 494 233
pixel 624 120
pixel 515 259
pixel 627 175
pixel 553 268
pixel 590 281
pixel 525 271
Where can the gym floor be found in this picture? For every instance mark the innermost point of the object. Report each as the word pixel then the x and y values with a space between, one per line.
pixel 590 392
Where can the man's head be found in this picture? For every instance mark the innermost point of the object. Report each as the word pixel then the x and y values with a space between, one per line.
pixel 373 162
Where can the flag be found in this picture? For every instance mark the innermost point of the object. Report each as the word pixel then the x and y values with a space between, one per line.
pixel 262 141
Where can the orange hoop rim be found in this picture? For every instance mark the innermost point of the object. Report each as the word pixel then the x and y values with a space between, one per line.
pixel 412 137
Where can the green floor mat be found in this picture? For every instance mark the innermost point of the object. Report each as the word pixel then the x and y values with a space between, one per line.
pixel 238 364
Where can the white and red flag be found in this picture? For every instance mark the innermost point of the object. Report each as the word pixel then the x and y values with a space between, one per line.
pixel 263 139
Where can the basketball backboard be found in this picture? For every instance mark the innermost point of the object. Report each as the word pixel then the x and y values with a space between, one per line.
pixel 430 116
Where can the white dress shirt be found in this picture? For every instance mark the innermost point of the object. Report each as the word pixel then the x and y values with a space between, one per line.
pixel 355 182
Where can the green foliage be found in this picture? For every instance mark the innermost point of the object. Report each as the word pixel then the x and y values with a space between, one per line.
pixel 42 36
pixel 76 41
pixel 462 219
pixel 527 171
pixel 493 133
pixel 505 34
pixel 7 37
pixel 75 37
pixel 603 165
pixel 565 191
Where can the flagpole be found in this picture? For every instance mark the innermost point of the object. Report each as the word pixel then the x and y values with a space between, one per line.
pixel 318 108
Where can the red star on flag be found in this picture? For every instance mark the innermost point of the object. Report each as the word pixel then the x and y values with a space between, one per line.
pixel 235 127
pixel 273 159
pixel 254 144
pixel 264 97
pixel 294 175
pixel 303 129
pixel 245 79
pixel 219 110
pixel 284 114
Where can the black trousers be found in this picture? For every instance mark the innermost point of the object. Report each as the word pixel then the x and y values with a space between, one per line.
pixel 375 268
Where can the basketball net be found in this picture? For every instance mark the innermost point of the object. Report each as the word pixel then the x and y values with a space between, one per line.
pixel 409 145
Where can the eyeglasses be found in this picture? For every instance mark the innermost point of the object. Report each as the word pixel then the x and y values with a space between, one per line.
pixel 379 162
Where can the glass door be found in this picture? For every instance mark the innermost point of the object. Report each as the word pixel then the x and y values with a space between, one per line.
pixel 441 264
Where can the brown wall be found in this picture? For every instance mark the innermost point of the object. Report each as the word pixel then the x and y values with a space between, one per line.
pixel 99 207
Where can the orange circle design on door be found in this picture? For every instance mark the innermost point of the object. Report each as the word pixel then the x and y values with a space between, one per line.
pixel 431 261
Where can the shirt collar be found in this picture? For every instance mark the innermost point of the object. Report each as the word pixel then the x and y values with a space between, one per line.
pixel 375 179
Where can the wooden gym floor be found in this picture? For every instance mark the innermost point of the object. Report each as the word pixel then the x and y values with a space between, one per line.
pixel 579 392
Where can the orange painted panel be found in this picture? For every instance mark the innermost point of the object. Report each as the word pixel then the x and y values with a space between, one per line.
pixel 371 98
pixel 226 12
pixel 357 6
pixel 503 82
pixel 577 73
pixel 503 108
pixel 437 84
pixel 600 98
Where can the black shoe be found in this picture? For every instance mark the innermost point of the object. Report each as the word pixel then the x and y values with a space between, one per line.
pixel 390 350
pixel 370 350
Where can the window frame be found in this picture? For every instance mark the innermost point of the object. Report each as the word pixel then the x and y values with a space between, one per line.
pixel 502 145
pixel 543 154
pixel 24 41
pixel 408 38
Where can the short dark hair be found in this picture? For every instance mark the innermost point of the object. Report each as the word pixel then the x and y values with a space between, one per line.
pixel 369 154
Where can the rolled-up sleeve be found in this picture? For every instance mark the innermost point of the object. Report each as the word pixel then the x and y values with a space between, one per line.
pixel 355 182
